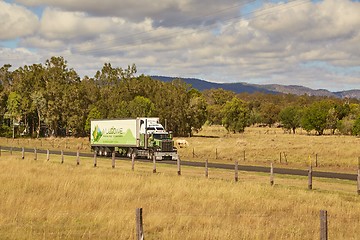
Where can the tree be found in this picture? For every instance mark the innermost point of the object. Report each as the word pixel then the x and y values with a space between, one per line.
pixel 141 107
pixel 14 106
pixel 315 116
pixel 58 78
pixel 269 113
pixel 356 127
pixel 93 114
pixel 39 103
pixel 236 115
pixel 196 112
pixel 216 99
pixel 290 117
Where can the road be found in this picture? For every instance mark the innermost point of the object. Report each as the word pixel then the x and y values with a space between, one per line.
pixel 248 168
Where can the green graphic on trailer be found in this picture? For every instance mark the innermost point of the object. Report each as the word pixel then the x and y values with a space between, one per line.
pixel 113 136
pixel 97 134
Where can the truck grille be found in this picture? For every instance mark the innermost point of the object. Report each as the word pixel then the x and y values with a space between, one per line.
pixel 166 146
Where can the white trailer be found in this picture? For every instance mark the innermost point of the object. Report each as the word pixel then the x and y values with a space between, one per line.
pixel 143 137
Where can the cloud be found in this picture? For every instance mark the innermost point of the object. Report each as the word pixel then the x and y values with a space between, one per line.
pixel 197 39
pixel 162 12
pixel 16 21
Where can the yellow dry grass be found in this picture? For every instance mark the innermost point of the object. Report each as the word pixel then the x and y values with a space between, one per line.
pixel 264 145
pixel 49 200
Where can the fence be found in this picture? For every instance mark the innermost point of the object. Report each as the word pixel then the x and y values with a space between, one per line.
pixel 140 226
pixel 139 213
pixel 271 170
pixel 281 157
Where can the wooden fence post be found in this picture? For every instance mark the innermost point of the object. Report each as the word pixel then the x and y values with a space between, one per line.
pixel 154 164
pixel 11 150
pixel 271 174
pixel 113 159
pixel 285 157
pixel 78 157
pixel 178 166
pixel 132 162
pixel 206 169
pixel 236 170
pixel 316 160
pixel 216 153
pixel 244 155
pixel 47 155
pixel 62 157
pixel 95 158
pixel 323 225
pixel 193 152
pixel 35 154
pixel 22 153
pixel 280 157
pixel 358 181
pixel 139 224
pixel 310 178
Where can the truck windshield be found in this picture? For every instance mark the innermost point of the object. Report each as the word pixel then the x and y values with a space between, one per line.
pixel 160 136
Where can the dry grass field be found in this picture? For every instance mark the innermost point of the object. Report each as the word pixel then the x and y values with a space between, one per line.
pixel 264 145
pixel 49 200
pixel 261 146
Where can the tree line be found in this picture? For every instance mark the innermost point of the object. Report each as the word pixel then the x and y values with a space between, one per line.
pixel 51 99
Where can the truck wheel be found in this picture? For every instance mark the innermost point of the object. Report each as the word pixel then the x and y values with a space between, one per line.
pixel 102 152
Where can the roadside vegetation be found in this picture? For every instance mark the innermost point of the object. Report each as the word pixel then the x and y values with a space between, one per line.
pixel 261 145
pixel 49 200
pixel 51 100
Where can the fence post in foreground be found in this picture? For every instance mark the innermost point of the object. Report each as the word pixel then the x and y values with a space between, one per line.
pixel 78 157
pixel 179 166
pixel 206 169
pixel 358 182
pixel 236 170
pixel 22 153
pixel 47 155
pixel 310 178
pixel 132 162
pixel 139 224
pixel 35 154
pixel 154 164
pixel 62 157
pixel 280 158
pixel 244 155
pixel 316 160
pixel 113 159
pixel 323 225
pixel 271 174
pixel 95 158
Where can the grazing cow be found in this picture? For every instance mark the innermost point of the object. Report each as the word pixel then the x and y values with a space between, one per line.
pixel 181 143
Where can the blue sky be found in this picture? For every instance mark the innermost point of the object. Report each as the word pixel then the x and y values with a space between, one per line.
pixel 302 42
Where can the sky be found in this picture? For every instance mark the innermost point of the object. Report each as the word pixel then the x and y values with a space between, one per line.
pixel 300 42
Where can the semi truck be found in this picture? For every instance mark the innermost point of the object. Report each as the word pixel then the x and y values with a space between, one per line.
pixel 142 137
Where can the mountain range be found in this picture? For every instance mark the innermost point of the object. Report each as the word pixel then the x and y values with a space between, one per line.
pixel 242 87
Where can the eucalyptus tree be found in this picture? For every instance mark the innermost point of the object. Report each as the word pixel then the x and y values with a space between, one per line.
pixel 235 115
pixel 58 81
pixel 290 117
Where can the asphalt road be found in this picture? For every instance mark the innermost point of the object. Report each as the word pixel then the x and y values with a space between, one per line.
pixel 248 168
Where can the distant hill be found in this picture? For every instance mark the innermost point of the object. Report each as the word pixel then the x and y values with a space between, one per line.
pixel 202 85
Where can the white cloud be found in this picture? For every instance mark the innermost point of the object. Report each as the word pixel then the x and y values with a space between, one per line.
pixel 270 46
pixel 163 12
pixel 16 21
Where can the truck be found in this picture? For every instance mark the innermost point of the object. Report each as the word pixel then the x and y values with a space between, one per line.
pixel 142 137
